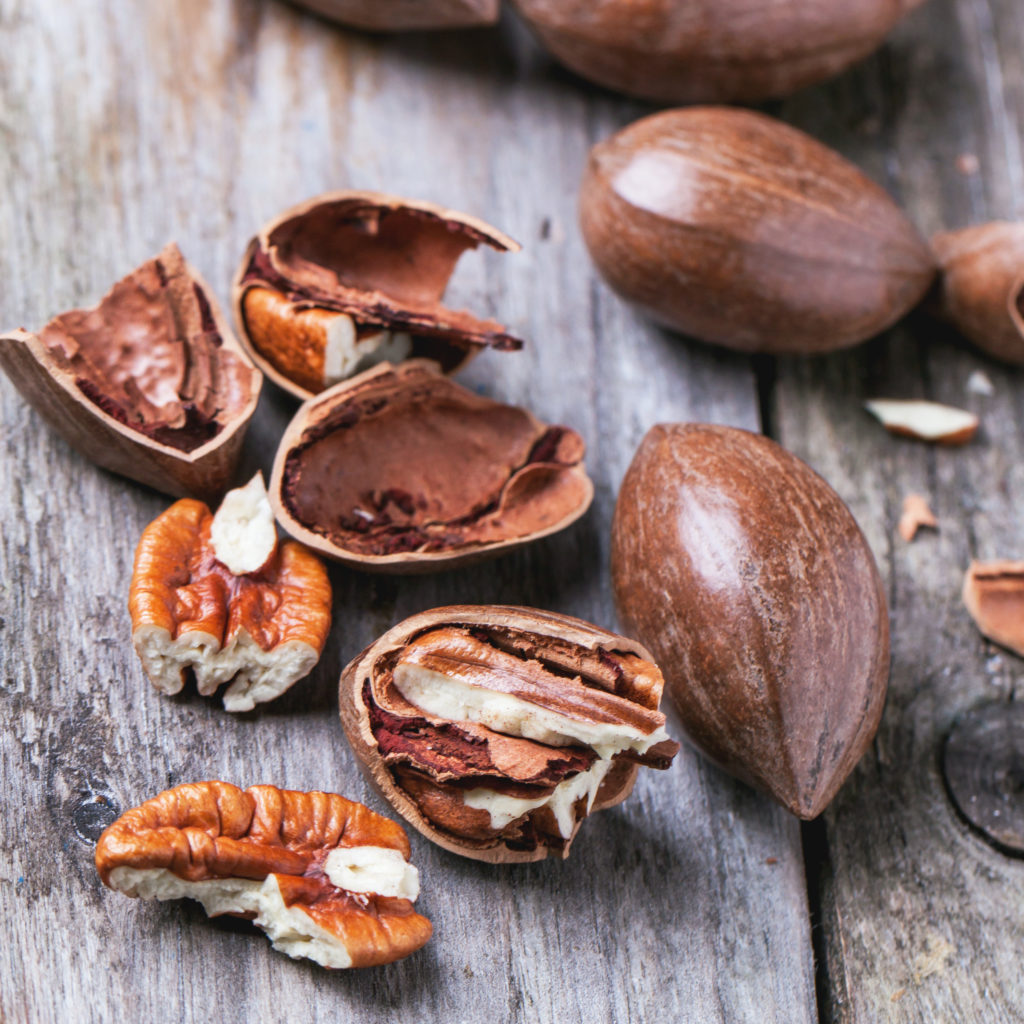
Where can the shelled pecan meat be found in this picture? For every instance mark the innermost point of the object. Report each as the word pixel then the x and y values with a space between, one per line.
pixel 218 596
pixel 325 878
pixel 495 731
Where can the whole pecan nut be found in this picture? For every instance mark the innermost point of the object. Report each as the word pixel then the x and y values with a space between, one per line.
pixel 326 878
pixel 496 730
pixel 217 595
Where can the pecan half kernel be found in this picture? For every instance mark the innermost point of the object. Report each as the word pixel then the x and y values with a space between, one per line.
pixel 495 731
pixel 219 597
pixel 325 878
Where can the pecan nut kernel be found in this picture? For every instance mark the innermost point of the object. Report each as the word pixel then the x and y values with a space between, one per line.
pixel 218 596
pixel 326 878
pixel 495 731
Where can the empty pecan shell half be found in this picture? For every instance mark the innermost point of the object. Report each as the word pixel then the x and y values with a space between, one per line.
pixel 325 878
pixel 350 279
pixel 151 383
pixel 218 596
pixel 402 470
pixel 495 730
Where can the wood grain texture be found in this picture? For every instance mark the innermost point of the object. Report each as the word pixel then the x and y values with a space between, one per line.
pixel 922 920
pixel 124 125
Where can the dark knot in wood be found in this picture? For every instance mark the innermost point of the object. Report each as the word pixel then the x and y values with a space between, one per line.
pixel 983 764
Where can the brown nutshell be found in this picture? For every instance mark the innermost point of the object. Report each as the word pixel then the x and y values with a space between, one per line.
pixel 209 832
pixel 981 286
pixel 402 470
pixel 734 228
pixel 406 15
pixel 350 279
pixel 751 583
pixel 150 383
pixel 495 730
pixel 993 594
pixel 711 51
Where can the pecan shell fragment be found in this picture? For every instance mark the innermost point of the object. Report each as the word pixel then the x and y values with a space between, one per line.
pixel 347 280
pixel 260 622
pixel 325 878
pixel 150 383
pixel 402 470
pixel 496 730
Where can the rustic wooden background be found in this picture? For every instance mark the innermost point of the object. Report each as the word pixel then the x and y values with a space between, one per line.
pixel 124 125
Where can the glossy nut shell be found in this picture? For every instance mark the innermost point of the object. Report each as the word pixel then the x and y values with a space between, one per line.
pixel 700 51
pixel 734 228
pixel 753 586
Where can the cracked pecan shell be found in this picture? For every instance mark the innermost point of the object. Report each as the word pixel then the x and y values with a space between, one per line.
pixel 324 877
pixel 349 279
pixel 150 383
pixel 261 629
pixel 402 470
pixel 495 731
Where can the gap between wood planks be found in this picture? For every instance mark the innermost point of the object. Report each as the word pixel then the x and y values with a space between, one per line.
pixel 813 834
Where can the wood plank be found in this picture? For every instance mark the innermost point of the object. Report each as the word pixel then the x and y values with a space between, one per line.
pixel 921 917
pixel 126 125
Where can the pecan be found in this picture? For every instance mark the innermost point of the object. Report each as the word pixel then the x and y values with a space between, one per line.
pixel 324 877
pixel 220 597
pixel 495 731
pixel 350 279
pixel 150 383
pixel 402 470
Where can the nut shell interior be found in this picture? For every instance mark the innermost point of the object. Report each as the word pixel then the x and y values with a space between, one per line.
pixel 201 834
pixel 402 470
pixel 487 786
pixel 380 261
pixel 150 383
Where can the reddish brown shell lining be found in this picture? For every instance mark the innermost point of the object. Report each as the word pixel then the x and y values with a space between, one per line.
pixel 434 336
pixel 380 523
pixel 432 762
pixel 161 302
pixel 447 749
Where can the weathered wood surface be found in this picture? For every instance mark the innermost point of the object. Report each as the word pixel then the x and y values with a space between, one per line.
pixel 921 919
pixel 124 125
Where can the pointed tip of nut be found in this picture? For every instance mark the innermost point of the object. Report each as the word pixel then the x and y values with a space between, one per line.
pixel 924 421
pixel 243 532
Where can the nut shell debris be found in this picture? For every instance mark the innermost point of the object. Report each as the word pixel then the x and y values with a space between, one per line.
pixel 402 470
pixel 924 421
pixel 993 593
pixel 150 383
pixel 350 279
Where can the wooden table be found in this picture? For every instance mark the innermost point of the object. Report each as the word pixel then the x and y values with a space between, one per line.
pixel 124 125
